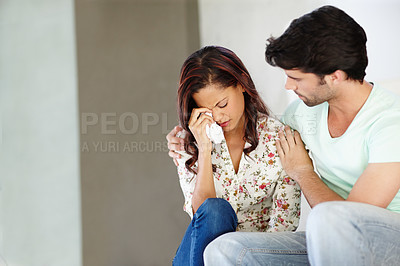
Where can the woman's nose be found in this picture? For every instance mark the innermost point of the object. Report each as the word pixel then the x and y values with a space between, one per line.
pixel 217 115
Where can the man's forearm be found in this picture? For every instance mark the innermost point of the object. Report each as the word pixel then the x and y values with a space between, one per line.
pixel 316 191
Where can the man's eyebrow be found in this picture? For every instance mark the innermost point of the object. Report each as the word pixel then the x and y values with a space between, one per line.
pixel 292 77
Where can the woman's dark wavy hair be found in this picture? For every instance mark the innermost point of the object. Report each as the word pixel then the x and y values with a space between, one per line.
pixel 214 65
pixel 321 42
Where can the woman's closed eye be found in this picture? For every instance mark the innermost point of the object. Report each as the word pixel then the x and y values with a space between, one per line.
pixel 224 105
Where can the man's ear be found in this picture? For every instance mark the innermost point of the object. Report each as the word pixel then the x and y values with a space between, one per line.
pixel 336 77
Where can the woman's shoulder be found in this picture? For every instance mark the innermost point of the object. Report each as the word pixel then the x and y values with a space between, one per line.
pixel 268 124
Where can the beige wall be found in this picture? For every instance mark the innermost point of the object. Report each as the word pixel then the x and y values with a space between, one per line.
pixel 40 221
pixel 129 56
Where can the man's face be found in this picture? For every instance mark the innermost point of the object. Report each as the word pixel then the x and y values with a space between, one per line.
pixel 310 88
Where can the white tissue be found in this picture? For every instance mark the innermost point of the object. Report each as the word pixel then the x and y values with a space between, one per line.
pixel 214 132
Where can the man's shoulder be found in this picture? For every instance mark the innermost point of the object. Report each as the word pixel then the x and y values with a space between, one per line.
pixel 385 99
pixel 298 106
pixel 297 114
pixel 293 106
pixel 382 123
pixel 384 106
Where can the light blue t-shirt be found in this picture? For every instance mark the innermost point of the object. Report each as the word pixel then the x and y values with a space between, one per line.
pixel 372 137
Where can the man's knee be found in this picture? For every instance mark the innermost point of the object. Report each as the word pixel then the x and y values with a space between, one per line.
pixel 212 250
pixel 221 251
pixel 330 218
pixel 328 213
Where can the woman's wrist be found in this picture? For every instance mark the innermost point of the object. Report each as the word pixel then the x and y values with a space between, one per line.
pixel 204 154
pixel 205 148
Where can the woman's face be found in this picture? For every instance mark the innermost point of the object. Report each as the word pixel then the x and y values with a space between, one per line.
pixel 227 105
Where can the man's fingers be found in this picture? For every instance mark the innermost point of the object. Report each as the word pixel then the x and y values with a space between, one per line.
pixel 283 142
pixel 297 138
pixel 175 143
pixel 279 149
pixel 174 155
pixel 289 136
pixel 175 146
pixel 173 132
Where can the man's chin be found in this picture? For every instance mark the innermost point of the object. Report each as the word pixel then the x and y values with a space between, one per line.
pixel 311 104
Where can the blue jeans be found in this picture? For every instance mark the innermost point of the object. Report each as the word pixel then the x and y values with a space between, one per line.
pixel 338 233
pixel 212 219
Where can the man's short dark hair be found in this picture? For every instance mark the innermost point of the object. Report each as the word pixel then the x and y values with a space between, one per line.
pixel 321 42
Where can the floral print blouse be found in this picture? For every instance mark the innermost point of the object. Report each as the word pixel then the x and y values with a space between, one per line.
pixel 264 197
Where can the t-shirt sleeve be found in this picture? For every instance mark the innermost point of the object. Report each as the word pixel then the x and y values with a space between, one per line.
pixel 290 116
pixel 384 141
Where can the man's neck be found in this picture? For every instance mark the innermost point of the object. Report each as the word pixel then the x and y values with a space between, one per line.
pixel 343 108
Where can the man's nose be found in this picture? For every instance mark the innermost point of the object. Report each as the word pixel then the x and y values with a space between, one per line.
pixel 290 84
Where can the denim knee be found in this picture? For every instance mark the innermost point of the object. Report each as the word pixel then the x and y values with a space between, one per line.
pixel 223 250
pixel 330 222
pixel 328 216
pixel 351 233
pixel 217 213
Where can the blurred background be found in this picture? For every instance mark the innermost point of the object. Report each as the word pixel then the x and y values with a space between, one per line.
pixel 87 96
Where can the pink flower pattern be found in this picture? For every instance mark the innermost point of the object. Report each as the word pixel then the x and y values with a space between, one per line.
pixel 264 197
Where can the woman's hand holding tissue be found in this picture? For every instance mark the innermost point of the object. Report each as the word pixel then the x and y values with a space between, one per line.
pixel 197 125
pixel 214 132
